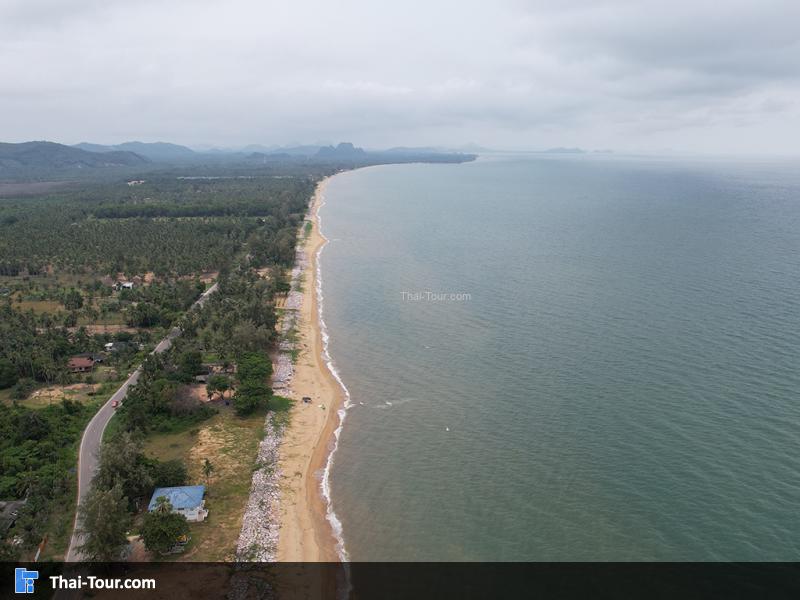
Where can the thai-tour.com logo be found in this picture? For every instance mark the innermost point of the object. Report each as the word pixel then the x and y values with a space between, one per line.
pixel 23 580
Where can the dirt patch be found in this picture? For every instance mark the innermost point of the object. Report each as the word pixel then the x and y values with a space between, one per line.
pixel 231 445
pixel 195 392
pixel 79 392
pixel 213 443
pixel 31 188
pixel 188 398
pixel 92 329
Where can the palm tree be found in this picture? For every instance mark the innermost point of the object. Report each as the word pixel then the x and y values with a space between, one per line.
pixel 163 506
pixel 208 469
pixel 25 481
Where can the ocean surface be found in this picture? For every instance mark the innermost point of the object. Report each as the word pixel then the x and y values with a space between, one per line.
pixel 567 358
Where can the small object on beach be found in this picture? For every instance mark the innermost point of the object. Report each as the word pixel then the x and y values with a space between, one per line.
pixel 447 429
pixel 306 399
pixel 388 403
pixel 361 403
pixel 322 406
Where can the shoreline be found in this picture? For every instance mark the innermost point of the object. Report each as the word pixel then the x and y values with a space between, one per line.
pixel 307 522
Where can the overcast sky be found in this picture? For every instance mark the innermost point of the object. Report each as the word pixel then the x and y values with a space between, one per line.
pixel 694 76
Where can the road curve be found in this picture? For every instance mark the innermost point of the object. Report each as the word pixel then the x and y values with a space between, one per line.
pixel 93 434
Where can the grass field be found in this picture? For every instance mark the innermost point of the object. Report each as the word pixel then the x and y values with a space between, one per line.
pixel 38 306
pixel 231 444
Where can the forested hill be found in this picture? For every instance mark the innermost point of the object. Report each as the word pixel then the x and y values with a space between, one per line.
pixel 156 151
pixel 49 155
pixel 49 161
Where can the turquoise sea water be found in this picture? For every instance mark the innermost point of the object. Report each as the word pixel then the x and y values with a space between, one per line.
pixel 619 378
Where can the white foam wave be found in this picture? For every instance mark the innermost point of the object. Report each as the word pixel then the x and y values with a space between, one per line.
pixel 325 483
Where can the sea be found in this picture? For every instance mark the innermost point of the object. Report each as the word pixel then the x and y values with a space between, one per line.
pixel 566 358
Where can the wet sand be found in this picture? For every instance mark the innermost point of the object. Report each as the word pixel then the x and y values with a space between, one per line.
pixel 305 533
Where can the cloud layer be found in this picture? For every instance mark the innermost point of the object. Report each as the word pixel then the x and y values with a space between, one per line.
pixel 693 76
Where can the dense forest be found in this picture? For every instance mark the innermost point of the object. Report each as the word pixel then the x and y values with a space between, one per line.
pixel 169 226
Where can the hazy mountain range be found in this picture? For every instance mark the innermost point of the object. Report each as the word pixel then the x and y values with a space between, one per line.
pixel 33 158
pixel 27 156
pixel 52 155
pixel 156 151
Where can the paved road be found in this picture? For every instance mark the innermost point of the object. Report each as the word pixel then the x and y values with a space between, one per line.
pixel 93 434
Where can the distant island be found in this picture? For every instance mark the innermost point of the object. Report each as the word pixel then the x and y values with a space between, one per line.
pixel 343 150
pixel 559 150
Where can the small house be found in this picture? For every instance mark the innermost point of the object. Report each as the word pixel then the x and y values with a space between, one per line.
pixel 80 364
pixel 117 346
pixel 96 358
pixel 186 500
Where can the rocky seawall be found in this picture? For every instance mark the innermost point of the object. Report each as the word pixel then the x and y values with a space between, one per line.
pixel 258 539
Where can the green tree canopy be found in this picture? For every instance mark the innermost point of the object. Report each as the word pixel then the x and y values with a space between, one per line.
pixel 249 397
pixel 254 371
pixel 104 522
pixel 169 473
pixel 254 367
pixel 8 373
pixel 73 300
pixel 123 463
pixel 161 528
pixel 190 363
pixel 217 384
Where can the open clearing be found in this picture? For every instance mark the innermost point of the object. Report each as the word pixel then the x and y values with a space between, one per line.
pixel 231 444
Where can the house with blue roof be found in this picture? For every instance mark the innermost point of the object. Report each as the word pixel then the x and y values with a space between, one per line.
pixel 186 500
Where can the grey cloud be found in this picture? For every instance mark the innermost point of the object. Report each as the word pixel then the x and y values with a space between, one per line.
pixel 629 74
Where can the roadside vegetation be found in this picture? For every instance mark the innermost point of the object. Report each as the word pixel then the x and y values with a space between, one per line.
pixel 100 271
pixel 209 428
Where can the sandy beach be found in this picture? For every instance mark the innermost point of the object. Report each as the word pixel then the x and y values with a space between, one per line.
pixel 305 533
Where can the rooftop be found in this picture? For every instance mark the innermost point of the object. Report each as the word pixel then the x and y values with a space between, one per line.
pixel 186 496
pixel 80 362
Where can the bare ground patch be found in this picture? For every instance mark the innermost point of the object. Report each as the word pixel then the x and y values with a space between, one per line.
pixel 53 394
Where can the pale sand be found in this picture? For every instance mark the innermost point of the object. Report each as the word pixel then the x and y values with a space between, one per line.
pixel 305 533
